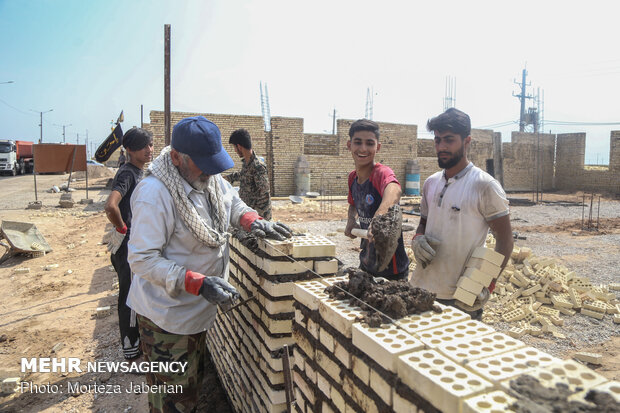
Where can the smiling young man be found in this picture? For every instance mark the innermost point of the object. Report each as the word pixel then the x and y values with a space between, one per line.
pixel 458 206
pixel 373 188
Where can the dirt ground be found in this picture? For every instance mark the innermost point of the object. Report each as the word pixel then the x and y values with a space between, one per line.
pixel 51 313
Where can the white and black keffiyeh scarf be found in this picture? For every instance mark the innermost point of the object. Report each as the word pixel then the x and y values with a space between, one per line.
pixel 164 170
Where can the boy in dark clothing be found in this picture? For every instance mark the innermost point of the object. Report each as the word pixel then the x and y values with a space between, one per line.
pixel 373 188
pixel 139 145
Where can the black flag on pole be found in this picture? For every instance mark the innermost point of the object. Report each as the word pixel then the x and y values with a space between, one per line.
pixel 112 143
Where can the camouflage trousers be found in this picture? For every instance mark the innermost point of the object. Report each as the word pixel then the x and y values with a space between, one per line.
pixel 158 345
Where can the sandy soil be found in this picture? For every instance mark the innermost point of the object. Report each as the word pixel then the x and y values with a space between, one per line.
pixel 51 313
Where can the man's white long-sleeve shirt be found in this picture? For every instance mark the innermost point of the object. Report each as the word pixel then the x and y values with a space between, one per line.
pixel 161 249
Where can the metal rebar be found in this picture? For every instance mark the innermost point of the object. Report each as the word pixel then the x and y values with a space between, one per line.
pixel 598 212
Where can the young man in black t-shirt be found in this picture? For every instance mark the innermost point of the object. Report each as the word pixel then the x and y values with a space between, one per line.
pixel 138 143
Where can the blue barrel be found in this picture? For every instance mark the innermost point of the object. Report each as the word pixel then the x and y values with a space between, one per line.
pixel 412 178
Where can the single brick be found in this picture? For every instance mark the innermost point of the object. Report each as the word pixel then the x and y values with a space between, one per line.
pixel 465 296
pixel 415 323
pixel 497 401
pixel 593 358
pixel 340 314
pixel 484 266
pixel 488 255
pixel 384 344
pixel 326 267
pixel 439 380
pixel 453 332
pixel 478 276
pixel 595 306
pixel 469 285
pixel 593 314
pixel 465 351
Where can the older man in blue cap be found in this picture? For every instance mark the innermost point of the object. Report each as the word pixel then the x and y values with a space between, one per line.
pixel 178 252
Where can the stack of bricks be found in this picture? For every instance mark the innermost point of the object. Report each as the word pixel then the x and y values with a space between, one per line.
pixel 481 269
pixel 533 293
pixel 428 362
pixel 246 343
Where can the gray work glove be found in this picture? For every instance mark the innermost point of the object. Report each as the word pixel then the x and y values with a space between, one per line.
pixel 423 250
pixel 267 229
pixel 217 290
pixel 481 300
pixel 115 239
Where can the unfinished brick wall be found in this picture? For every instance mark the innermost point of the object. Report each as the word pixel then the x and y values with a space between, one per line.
pixel 570 171
pixel 329 159
pixel 520 164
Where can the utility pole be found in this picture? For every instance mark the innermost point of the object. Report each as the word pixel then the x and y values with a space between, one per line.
pixel 78 139
pixel 522 96
pixel 63 132
pixel 167 84
pixel 141 116
pixel 41 124
pixel 334 123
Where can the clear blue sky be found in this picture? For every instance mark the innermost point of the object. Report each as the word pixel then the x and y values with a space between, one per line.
pixel 88 60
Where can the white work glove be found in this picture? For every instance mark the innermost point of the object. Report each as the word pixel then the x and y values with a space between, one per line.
pixel 422 246
pixel 115 238
pixel 481 300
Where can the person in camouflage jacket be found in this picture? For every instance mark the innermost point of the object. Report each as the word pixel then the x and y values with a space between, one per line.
pixel 253 177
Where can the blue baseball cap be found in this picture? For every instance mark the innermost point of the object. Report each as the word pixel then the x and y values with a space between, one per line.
pixel 200 138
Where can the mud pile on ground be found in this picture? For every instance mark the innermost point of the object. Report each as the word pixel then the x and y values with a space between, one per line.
pixel 386 230
pixel 533 397
pixel 396 299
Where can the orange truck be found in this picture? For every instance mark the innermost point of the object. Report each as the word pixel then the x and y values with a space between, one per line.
pixel 16 157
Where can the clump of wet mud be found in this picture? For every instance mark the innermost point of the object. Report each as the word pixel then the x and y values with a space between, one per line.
pixel 386 230
pixel 249 240
pixel 396 299
pixel 534 398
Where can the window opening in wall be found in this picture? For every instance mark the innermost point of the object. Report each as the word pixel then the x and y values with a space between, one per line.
pixel 490 168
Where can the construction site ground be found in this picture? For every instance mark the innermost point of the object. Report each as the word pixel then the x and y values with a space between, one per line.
pixel 51 313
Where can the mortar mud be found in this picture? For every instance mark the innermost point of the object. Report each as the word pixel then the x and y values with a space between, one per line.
pixel 396 299
pixel 534 398
pixel 386 230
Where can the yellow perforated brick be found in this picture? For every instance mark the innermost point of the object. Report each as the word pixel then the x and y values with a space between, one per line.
pixel 439 380
pixel 494 402
pixel 469 285
pixel 574 375
pixel 593 358
pixel 340 315
pixel 612 388
pixel 484 266
pixel 384 344
pixel 430 319
pixel 465 296
pixel 549 311
pixel 310 293
pixel 488 255
pixel 453 332
pixel 514 315
pixel 595 306
pixel 511 364
pixel 465 351
pixel 593 314
pixel 306 246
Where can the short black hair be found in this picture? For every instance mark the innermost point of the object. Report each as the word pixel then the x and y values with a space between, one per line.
pixel 452 120
pixel 241 137
pixel 136 139
pixel 364 125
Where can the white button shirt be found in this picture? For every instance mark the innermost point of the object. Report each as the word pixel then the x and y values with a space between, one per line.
pixel 457 211
pixel 161 248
